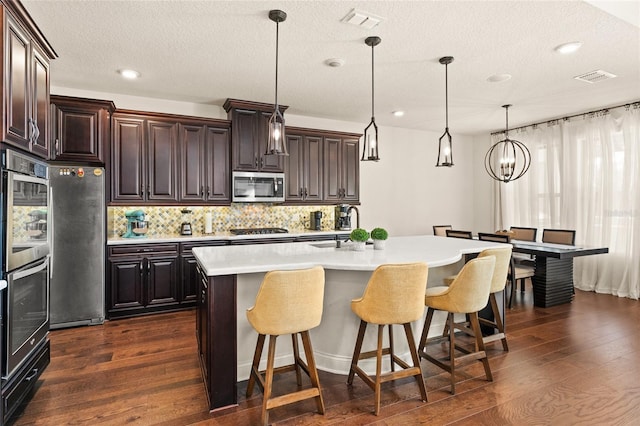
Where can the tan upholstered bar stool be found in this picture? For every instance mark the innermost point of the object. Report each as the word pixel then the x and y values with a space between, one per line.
pixel 394 295
pixel 467 294
pixel 498 284
pixel 288 302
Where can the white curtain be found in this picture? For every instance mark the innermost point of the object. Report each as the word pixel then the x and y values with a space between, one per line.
pixel 584 175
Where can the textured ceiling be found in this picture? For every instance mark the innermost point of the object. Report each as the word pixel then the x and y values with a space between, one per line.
pixel 207 51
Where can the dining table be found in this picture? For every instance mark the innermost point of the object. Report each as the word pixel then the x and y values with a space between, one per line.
pixel 553 277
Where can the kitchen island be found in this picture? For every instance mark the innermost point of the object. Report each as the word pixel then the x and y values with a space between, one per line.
pixel 231 276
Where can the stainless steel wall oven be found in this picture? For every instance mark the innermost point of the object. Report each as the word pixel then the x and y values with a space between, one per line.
pixel 24 249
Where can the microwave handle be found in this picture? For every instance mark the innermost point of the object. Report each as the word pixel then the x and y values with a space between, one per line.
pixel 50 234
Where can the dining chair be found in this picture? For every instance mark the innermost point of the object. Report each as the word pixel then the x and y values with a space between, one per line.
pixel 467 294
pixel 459 234
pixel 288 302
pixel 441 230
pixel 559 236
pixel 394 295
pixel 523 234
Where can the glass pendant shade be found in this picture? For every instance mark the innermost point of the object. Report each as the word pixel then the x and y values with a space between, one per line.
pixel 508 159
pixel 445 150
pixel 370 137
pixel 276 143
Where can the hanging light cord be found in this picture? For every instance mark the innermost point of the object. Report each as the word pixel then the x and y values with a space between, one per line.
pixel 506 126
pixel 277 43
pixel 446 95
pixel 372 81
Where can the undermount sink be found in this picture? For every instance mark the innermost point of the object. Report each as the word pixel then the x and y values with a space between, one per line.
pixel 327 244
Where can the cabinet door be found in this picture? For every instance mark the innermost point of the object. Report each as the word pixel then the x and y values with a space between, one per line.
pixel 40 104
pixel 217 185
pixel 332 169
pixel 162 280
pixel 190 279
pixel 80 131
pixel 245 140
pixel 313 168
pixel 294 169
pixel 267 163
pixel 128 160
pixel 162 160
pixel 350 170
pixel 192 163
pixel 17 114
pixel 126 284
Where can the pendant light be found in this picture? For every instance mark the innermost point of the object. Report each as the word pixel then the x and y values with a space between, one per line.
pixel 445 153
pixel 276 144
pixel 370 148
pixel 507 159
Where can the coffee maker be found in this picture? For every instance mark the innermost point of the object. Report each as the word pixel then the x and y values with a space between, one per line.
pixel 315 221
pixel 343 220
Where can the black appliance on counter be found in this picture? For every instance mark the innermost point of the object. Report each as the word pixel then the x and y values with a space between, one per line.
pixel 342 217
pixel 315 221
pixel 24 256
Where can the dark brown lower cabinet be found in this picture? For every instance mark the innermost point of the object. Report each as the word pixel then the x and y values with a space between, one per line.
pixel 190 279
pixel 143 279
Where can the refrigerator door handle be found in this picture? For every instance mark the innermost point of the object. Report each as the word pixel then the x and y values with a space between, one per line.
pixel 50 230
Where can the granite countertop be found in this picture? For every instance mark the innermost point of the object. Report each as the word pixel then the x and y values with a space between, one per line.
pixel 240 259
pixel 196 237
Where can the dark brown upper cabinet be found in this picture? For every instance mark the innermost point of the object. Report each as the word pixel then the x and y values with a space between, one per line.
pixel 25 75
pixel 249 136
pixel 81 129
pixel 341 168
pixel 204 162
pixel 304 166
pixel 144 158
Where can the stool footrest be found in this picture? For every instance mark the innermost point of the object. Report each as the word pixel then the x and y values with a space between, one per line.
pixel 290 398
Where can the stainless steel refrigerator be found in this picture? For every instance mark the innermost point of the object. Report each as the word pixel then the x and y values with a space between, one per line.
pixel 78 219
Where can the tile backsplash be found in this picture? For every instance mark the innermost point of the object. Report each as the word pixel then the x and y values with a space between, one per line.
pixel 166 220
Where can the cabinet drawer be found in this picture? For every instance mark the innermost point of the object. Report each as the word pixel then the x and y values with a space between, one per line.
pixel 143 249
pixel 185 248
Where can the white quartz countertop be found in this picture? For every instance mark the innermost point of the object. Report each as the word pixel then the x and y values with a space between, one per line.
pixel 242 259
pixel 176 238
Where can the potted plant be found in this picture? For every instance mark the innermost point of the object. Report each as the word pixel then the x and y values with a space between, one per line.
pixel 379 236
pixel 359 237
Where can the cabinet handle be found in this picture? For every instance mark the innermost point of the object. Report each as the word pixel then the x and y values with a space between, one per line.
pixel 256 161
pixel 208 192
pixel 261 162
pixel 201 191
pixel 300 192
pixel 305 193
pixel 36 132
pixel 57 147
pixel 142 190
pixel 141 267
pixel 33 374
pixel 148 191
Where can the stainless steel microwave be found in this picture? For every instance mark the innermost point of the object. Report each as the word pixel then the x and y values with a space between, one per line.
pixel 257 187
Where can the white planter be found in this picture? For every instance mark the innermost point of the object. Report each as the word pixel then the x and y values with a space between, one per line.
pixel 358 245
pixel 379 244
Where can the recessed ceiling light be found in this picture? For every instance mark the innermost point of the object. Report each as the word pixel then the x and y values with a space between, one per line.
pixel 334 62
pixel 497 78
pixel 129 74
pixel 567 48
pixel 398 113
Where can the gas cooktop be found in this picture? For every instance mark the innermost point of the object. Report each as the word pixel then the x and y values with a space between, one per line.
pixel 254 231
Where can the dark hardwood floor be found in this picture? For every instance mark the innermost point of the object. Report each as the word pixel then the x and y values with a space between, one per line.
pixel 572 364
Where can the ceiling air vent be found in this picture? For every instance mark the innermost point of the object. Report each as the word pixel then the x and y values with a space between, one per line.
pixel 362 19
pixel 595 76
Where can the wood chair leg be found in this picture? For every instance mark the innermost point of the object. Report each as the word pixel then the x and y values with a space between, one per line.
pixel 498 320
pixel 475 324
pixel 313 372
pixel 393 364
pixel 356 351
pixel 378 383
pixel 416 361
pixel 425 330
pixel 268 382
pixel 452 351
pixel 296 358
pixel 255 365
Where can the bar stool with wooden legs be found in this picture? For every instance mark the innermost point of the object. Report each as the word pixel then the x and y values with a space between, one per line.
pixel 498 284
pixel 288 302
pixel 467 294
pixel 394 295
